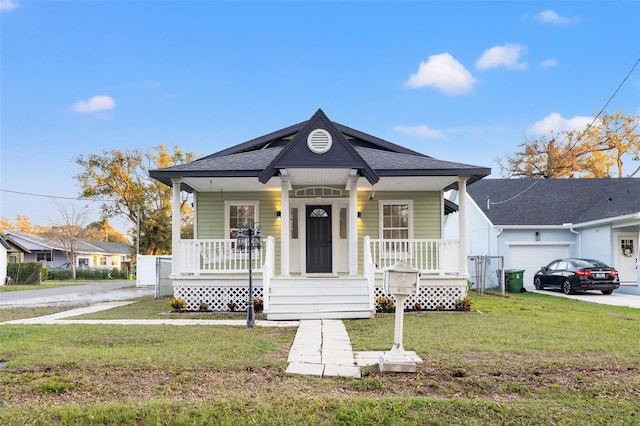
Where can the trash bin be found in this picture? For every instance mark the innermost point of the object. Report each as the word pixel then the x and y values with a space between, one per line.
pixel 514 279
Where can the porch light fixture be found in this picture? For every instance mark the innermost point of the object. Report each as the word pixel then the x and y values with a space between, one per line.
pixel 278 213
pixel 359 214
pixel 537 236
pixel 248 240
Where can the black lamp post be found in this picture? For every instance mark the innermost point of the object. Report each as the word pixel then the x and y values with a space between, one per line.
pixel 252 239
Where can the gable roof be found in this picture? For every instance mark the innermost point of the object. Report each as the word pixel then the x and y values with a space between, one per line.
pixel 296 153
pixel 265 156
pixel 555 201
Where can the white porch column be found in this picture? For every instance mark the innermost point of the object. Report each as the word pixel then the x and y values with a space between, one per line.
pixel 462 223
pixel 352 186
pixel 285 222
pixel 175 227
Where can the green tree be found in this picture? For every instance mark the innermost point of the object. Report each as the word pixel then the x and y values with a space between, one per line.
pixel 599 151
pixel 121 180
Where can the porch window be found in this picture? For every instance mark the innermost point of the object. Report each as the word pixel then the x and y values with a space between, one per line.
pixel 294 223
pixel 240 214
pixel 396 224
pixel 343 223
pixel 396 217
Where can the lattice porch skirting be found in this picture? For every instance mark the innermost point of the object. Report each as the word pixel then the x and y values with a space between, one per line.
pixel 218 294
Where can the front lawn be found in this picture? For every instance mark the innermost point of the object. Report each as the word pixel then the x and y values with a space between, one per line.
pixel 526 359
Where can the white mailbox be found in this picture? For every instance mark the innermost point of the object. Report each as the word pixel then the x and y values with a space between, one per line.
pixel 402 279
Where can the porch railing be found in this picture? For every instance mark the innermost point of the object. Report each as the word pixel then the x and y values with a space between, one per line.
pixel 203 256
pixel 430 256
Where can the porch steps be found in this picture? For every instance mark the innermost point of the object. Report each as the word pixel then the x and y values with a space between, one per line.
pixel 295 298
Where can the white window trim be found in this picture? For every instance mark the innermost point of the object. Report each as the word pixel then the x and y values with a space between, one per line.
pixel 227 214
pixel 382 203
pixel 391 254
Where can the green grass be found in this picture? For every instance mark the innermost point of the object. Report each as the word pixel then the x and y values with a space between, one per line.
pixel 52 284
pixel 527 359
pixel 9 314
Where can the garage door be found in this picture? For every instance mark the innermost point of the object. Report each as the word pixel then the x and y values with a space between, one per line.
pixel 532 257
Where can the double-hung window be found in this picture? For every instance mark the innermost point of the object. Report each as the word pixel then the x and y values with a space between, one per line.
pixel 396 225
pixel 239 215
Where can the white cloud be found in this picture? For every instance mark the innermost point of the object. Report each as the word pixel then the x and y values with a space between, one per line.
pixel 502 56
pixel 548 63
pixel 444 73
pixel 554 123
pixel 420 131
pixel 95 104
pixel 552 17
pixel 8 5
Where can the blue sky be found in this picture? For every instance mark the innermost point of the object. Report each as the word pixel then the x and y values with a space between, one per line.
pixel 459 81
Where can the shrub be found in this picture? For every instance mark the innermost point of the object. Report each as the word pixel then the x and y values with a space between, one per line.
pixel 25 273
pixel 463 304
pixel 232 306
pixel 204 307
pixel 178 304
pixel 385 304
pixel 258 304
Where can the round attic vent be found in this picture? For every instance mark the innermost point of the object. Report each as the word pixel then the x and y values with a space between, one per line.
pixel 319 141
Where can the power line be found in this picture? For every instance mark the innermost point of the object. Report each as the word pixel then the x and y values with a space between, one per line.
pixel 602 109
pixel 52 196
pixel 489 203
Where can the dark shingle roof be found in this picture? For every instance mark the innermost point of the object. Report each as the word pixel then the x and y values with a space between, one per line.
pixel 555 201
pixel 380 157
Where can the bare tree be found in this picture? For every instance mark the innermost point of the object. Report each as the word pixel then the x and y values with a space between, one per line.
pixel 69 231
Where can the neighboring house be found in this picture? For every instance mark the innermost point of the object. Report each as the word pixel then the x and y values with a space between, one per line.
pixel 531 222
pixel 10 252
pixel 336 206
pixel 4 247
pixel 89 254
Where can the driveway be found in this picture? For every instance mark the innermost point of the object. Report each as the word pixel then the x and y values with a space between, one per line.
pixel 614 299
pixel 82 294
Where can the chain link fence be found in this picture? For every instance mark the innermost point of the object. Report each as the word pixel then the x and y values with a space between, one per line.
pixel 487 274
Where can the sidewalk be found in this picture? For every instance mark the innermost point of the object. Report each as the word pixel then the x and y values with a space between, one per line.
pixel 58 318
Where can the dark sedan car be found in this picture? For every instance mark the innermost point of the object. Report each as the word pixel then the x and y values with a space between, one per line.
pixel 571 275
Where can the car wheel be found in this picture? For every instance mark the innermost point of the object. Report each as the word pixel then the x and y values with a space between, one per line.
pixel 607 292
pixel 566 287
pixel 537 283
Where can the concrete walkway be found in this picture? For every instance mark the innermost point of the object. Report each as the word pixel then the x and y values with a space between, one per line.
pixel 322 348
pixel 58 318
pixel 615 299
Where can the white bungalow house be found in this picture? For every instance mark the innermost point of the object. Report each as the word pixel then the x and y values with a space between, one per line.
pixel 335 206
pixel 531 222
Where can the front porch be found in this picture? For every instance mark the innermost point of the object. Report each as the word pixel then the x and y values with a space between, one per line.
pixel 213 273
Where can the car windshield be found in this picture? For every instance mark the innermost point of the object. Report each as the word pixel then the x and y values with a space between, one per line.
pixel 589 263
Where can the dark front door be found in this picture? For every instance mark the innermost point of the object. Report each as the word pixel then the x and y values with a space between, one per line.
pixel 318 239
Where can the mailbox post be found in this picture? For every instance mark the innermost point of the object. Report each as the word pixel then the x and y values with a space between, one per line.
pixel 401 280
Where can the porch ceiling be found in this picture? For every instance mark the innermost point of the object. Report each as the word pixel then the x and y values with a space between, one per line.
pixel 320 177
